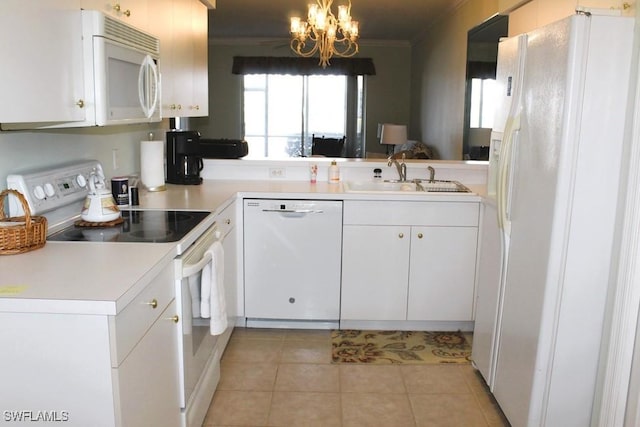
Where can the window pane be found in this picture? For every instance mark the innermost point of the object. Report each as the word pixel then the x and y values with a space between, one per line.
pixel 254 113
pixel 327 105
pixel 488 102
pixel 476 96
pixel 285 105
pixel 278 147
pixel 257 147
pixel 280 111
pixel 255 81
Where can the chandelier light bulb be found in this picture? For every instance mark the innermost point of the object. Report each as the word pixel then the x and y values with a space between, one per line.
pixel 343 13
pixel 295 25
pixel 324 33
pixel 313 13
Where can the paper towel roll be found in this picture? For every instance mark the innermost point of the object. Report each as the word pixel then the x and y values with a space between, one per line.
pixel 152 165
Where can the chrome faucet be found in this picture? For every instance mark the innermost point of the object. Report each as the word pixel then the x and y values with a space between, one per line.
pixel 432 173
pixel 402 167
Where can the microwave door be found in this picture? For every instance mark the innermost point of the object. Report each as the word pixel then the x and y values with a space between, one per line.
pixel 121 70
pixel 148 86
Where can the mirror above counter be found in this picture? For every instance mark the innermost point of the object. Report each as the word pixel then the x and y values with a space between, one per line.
pixel 482 57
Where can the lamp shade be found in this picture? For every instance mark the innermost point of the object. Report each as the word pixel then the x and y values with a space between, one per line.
pixel 393 134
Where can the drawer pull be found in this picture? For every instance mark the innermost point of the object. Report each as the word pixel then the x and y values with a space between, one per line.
pixel 174 319
pixel 153 303
pixel 228 221
pixel 420 235
pixel 401 235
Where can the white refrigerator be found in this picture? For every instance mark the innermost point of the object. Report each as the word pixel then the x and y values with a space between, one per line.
pixel 556 163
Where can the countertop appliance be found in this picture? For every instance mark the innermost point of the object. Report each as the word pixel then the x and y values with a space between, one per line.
pixel 555 166
pixel 58 193
pixel 146 226
pixel 122 79
pixel 292 253
pixel 184 162
pixel 223 148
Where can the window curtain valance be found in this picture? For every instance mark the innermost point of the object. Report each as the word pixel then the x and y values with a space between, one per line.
pixel 301 66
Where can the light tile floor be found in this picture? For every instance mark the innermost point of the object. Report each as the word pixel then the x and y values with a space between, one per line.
pixel 274 377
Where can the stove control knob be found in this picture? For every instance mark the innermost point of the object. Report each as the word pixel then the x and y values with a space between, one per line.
pixel 81 180
pixel 49 189
pixel 38 191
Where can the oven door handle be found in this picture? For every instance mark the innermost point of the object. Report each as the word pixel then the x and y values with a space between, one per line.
pixel 191 269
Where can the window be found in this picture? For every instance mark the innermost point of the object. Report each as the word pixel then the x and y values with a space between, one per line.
pixel 483 103
pixel 283 112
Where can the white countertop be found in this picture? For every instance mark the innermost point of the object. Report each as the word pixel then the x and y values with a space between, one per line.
pixel 102 278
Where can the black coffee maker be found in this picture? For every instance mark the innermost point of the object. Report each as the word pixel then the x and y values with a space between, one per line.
pixel 184 161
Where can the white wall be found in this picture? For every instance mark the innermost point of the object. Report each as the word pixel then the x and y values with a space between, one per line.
pixel 438 78
pixel 387 99
pixel 24 150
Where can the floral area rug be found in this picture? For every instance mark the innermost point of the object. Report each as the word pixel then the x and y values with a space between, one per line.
pixel 399 347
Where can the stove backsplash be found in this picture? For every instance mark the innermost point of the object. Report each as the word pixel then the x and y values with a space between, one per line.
pixel 26 150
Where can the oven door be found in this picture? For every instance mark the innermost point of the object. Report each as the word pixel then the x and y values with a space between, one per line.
pixel 197 343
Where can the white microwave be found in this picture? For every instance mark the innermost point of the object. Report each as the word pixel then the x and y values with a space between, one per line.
pixel 122 80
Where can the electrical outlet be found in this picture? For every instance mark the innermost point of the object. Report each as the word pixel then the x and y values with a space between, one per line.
pixel 277 172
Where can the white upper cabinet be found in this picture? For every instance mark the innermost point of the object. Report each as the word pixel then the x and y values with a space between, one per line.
pixel 42 76
pixel 200 67
pixel 183 57
pixel 133 12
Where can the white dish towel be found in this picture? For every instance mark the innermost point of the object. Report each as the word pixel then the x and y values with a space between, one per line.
pixel 212 300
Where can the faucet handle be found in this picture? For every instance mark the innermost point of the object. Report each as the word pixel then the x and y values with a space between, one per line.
pixel 432 173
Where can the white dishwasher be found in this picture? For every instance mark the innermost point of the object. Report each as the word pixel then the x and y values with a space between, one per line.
pixel 292 262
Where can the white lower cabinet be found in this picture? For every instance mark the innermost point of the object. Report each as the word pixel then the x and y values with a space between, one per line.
pixel 95 370
pixel 409 261
pixel 147 380
pixel 442 273
pixel 375 272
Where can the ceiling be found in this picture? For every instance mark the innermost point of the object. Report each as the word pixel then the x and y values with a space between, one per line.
pixel 379 19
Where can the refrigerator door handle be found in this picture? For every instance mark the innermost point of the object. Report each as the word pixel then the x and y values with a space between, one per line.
pixel 505 173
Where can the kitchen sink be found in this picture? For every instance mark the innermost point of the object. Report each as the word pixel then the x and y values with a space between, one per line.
pixel 404 187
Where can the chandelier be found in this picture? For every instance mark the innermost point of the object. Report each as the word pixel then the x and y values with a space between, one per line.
pixel 325 34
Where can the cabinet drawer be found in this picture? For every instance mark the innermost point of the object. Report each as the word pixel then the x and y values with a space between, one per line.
pixel 411 213
pixel 128 327
pixel 226 219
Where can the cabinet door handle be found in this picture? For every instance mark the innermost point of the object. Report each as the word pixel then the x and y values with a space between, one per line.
pixel 174 319
pixel 420 235
pixel 127 13
pixel 80 103
pixel 153 303
pixel 401 235
pixel 227 221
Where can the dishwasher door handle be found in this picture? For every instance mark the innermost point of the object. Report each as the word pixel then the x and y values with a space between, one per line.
pixel 302 211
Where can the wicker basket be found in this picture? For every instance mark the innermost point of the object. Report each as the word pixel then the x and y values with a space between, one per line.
pixel 28 233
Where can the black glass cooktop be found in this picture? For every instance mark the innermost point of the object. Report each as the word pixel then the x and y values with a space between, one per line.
pixel 138 226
